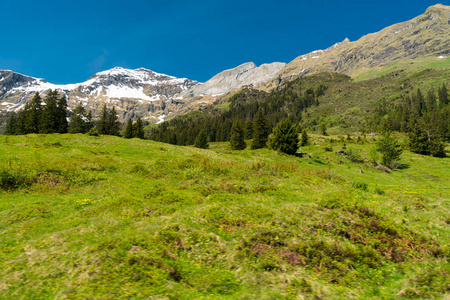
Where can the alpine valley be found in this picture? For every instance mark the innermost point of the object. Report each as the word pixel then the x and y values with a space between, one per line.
pixel 327 177
pixel 413 45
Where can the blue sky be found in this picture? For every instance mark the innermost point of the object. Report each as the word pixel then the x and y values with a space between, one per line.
pixel 67 41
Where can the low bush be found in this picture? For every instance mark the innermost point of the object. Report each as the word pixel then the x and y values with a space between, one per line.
pixel 12 180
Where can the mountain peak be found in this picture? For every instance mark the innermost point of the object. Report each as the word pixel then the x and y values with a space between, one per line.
pixel 245 74
pixel 440 6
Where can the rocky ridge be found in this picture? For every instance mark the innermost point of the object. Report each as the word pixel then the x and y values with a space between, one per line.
pixel 426 36
pixel 139 92
pixel 245 74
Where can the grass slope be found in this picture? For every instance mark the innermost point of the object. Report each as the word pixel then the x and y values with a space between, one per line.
pixel 103 217
pixel 347 105
pixel 412 65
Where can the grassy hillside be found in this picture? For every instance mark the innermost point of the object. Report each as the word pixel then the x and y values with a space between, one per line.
pixel 413 65
pixel 346 106
pixel 103 217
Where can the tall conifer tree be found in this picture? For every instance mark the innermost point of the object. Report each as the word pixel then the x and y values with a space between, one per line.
pixel 103 122
pixel 113 122
pixel 138 130
pixel 49 117
pixel 260 130
pixel 11 125
pixel 201 141
pixel 128 133
pixel 62 123
pixel 237 136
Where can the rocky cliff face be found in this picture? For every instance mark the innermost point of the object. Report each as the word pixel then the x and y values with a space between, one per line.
pixel 134 93
pixel 426 36
pixel 245 74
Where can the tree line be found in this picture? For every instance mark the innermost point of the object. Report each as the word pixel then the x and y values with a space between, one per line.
pixel 425 118
pixel 51 115
pixel 287 102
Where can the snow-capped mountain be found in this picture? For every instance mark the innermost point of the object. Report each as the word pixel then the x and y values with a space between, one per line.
pixel 139 92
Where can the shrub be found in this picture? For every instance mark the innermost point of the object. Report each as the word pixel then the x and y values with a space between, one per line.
pixel 10 180
pixel 93 132
pixel 353 155
pixel 389 148
pixel 379 191
pixel 359 185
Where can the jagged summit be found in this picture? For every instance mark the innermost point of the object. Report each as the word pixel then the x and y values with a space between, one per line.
pixel 426 36
pixel 145 93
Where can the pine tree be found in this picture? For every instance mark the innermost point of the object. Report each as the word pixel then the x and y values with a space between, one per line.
pixel 248 130
pixel 11 125
pixel 201 141
pixel 284 137
pixel 389 148
pixel 50 114
pixel 304 140
pixel 418 138
pixel 237 136
pixel 436 147
pixel 61 124
pixel 128 134
pixel 431 101
pixel 28 124
pixel 78 120
pixel 103 122
pixel 443 96
pixel 323 128
pixel 21 123
pixel 260 130
pixel 113 122
pixel 89 124
pixel 420 106
pixel 138 130
pixel 34 114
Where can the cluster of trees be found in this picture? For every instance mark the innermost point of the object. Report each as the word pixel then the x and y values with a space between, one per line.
pixel 287 102
pixel 38 117
pixel 108 123
pixel 50 116
pixel 284 136
pixel 425 118
pixel 134 130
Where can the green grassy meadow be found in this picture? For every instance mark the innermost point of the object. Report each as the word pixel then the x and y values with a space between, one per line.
pixel 86 217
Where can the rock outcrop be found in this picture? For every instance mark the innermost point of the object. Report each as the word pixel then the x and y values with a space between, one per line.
pixel 245 74
pixel 134 93
pixel 426 36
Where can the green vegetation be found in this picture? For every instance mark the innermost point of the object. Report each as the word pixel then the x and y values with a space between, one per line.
pixel 237 138
pixel 284 138
pixel 326 103
pixel 201 141
pixel 411 65
pixel 100 217
pixel 261 130
pixel 389 148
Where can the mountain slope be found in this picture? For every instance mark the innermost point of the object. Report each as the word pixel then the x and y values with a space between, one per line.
pixel 95 217
pixel 245 74
pixel 138 92
pixel 426 36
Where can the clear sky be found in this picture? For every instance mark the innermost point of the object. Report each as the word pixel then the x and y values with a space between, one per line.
pixel 67 41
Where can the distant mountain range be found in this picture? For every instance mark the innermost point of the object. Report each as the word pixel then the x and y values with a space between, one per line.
pixel 154 97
